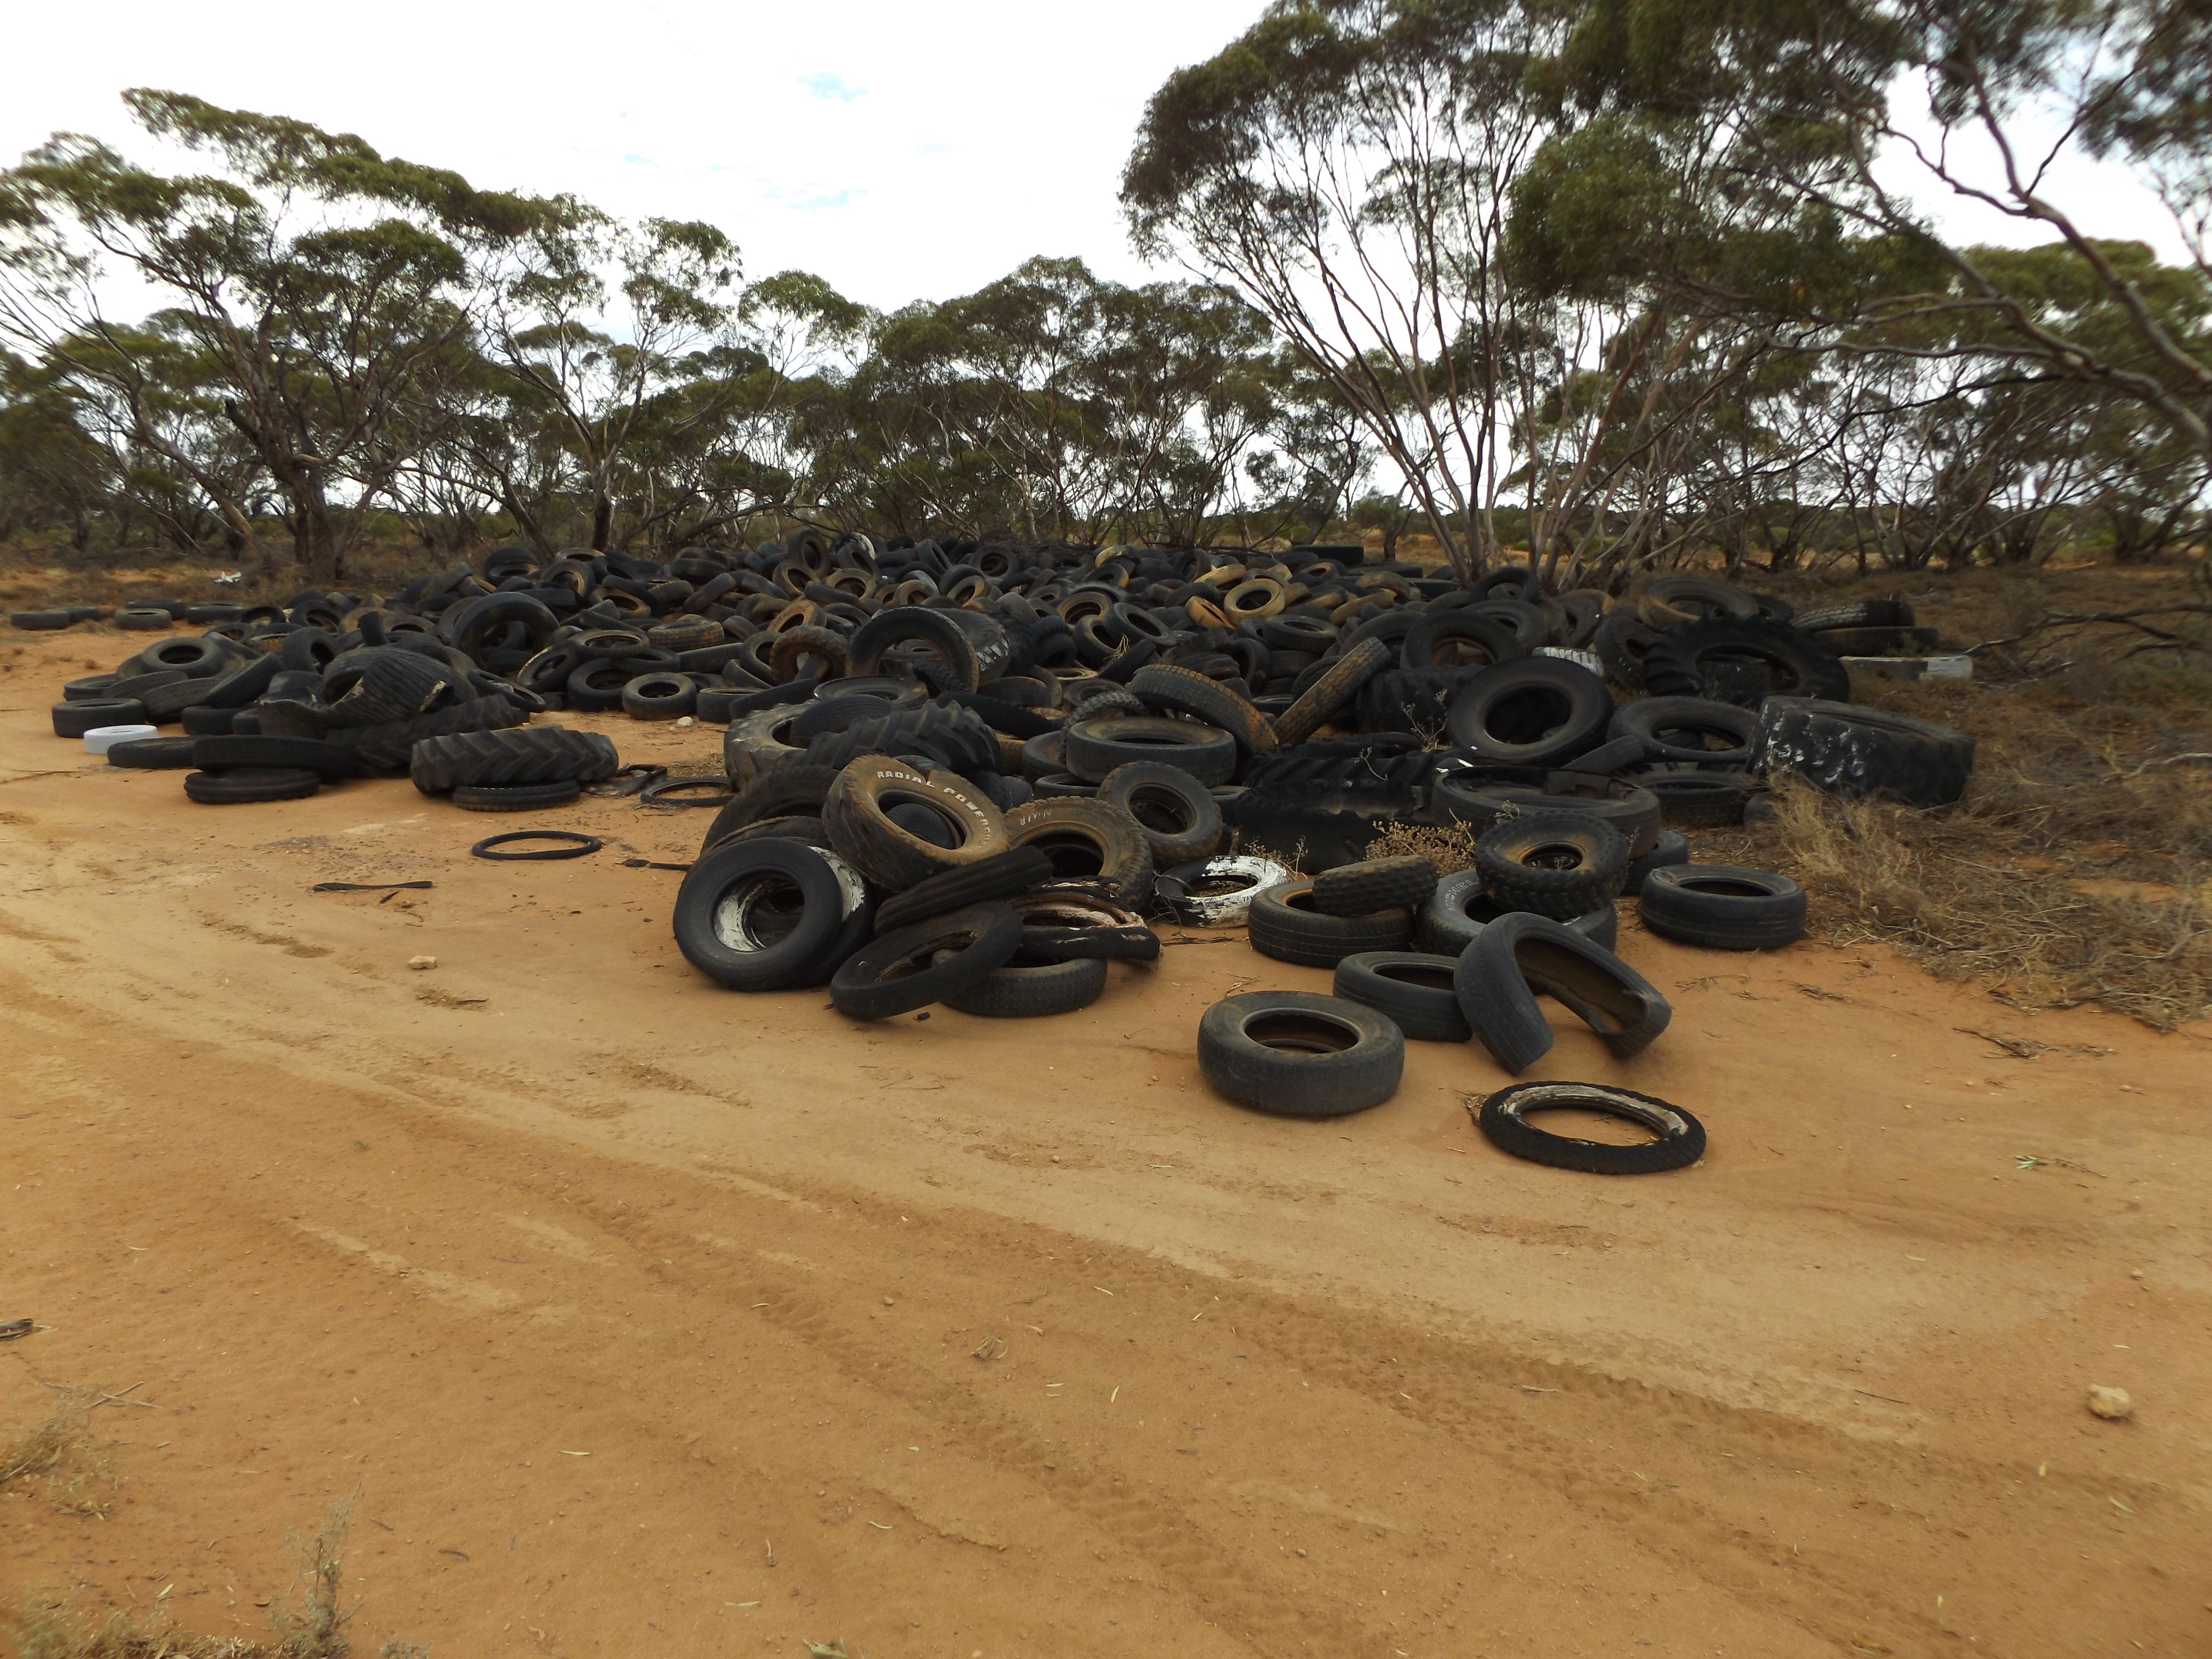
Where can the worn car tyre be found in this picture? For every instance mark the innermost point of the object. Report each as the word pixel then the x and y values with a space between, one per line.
pixel 1680 1139
pixel 1519 956
pixel 857 813
pixel 329 762
pixel 1000 876
pixel 1672 848
pixel 1032 992
pixel 910 968
pixel 1692 731
pixel 1332 692
pixel 660 697
pixel 516 797
pixel 1284 924
pixel 1723 906
pixel 1687 661
pixel 900 635
pixel 391 748
pixel 1699 801
pixel 1460 910
pixel 1218 891
pixel 1297 1054
pixel 74 720
pixel 152 754
pixel 377 685
pixel 1372 884
pixel 1412 989
pixel 1851 751
pixel 1183 692
pixel 1179 816
pixel 240 785
pixel 1098 746
pixel 1090 840
pixel 1559 864
pixel 1540 711
pixel 767 915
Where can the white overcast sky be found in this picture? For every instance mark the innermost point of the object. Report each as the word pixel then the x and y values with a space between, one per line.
pixel 903 151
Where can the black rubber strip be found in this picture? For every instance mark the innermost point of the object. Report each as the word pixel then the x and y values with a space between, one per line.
pixel 363 886
pixel 656 792
pixel 13 1327
pixel 648 864
pixel 628 782
pixel 579 845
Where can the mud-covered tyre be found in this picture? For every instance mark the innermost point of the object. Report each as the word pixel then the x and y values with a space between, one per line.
pixel 910 968
pixel 1032 992
pixel 1333 692
pixel 240 786
pixel 767 914
pixel 1499 976
pixel 1179 817
pixel 1000 877
pixel 1297 1054
pixel 1678 1142
pixel 1411 988
pixel 1540 711
pixel 527 755
pixel 1283 924
pixel 1691 730
pixel 1372 884
pixel 1098 746
pixel 857 812
pixel 1684 661
pixel 1723 906
pixel 1553 864
pixel 1088 840
pixel 1851 751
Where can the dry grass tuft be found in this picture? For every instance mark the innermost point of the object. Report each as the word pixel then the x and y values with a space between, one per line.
pixel 1449 849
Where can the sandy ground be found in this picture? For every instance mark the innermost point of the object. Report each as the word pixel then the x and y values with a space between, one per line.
pixel 637 1316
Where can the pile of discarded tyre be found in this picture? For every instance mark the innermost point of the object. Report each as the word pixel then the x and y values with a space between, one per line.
pixel 965 774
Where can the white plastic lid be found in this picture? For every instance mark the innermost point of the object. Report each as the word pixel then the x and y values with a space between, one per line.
pixel 101 738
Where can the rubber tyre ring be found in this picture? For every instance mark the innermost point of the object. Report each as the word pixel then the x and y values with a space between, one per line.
pixel 660 697
pixel 1518 956
pixel 856 813
pixel 152 754
pixel 1542 711
pixel 1088 840
pixel 1672 847
pixel 982 939
pixel 1000 877
pixel 1332 691
pixel 74 720
pixel 1283 924
pixel 331 762
pixel 911 625
pixel 1296 1054
pixel 1723 906
pixel 1098 746
pixel 1459 910
pixel 1372 884
pixel 1661 725
pixel 1183 692
pixel 1699 801
pixel 1029 993
pixel 719 930
pixel 1496 640
pixel 1583 863
pixel 515 797
pixel 1678 665
pixel 1180 817
pixel 1680 1143
pixel 1411 989
pixel 238 785
pixel 1671 601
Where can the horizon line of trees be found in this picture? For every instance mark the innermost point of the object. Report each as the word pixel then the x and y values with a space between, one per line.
pixel 1579 276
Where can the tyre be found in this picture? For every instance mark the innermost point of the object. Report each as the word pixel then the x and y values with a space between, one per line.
pixel 1854 613
pixel 1284 924
pixel 1372 884
pixel 1096 747
pixel 391 748
pixel 1538 712
pixel 39 620
pixel 1680 1139
pixel 1088 840
pixel 1699 800
pixel 1058 925
pixel 1556 865
pixel 515 797
pixel 1461 638
pixel 766 915
pixel 1001 876
pixel 795 788
pixel 1672 847
pixel 242 685
pixel 1671 601
pixel 1413 991
pixel 900 635
pixel 74 720
pixel 88 687
pixel 1519 957
pixel 204 721
pixel 758 741
pixel 152 754
pixel 1622 641
pixel 1217 893
pixel 1297 1054
pixel 165 703
pixel 1881 641
pixel 1723 906
pixel 498 760
pixel 379 685
pixel 238 786
pixel 134 618
pixel 1614 754
pixel 307 650
pixel 788 656
pixel 200 659
pixel 1029 993
pixel 857 810
pixel 1848 750
pixel 956 737
pixel 1338 684
pixel 1695 661
pixel 660 697
pixel 1181 820
pixel 1692 731
pixel 1633 812
pixel 329 762
pixel 913 967
pixel 1460 910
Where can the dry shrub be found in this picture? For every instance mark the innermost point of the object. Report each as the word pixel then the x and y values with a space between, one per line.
pixel 1449 848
